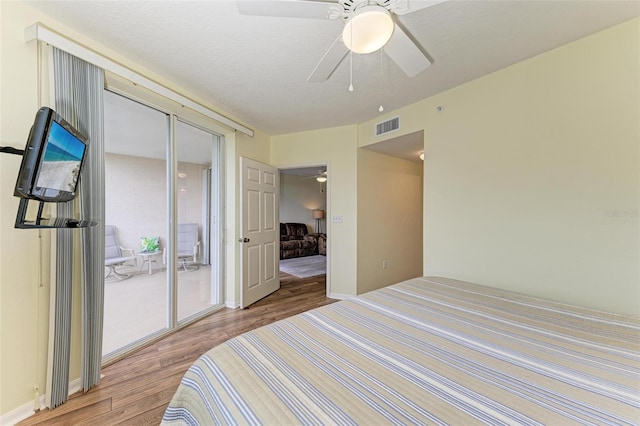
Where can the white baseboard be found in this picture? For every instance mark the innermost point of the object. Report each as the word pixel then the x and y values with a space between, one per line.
pixel 75 386
pixel 27 410
pixel 18 414
pixel 340 296
pixel 231 304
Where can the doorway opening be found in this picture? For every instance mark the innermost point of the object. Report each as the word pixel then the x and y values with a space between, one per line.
pixel 304 211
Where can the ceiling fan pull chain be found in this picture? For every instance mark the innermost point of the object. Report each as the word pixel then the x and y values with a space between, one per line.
pixel 351 73
pixel 351 64
pixel 381 108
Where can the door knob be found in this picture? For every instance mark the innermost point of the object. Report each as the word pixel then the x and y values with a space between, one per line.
pixel 243 240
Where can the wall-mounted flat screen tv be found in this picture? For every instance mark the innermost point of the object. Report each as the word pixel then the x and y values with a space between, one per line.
pixel 52 160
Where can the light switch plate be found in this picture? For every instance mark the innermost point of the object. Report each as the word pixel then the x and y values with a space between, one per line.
pixel 336 219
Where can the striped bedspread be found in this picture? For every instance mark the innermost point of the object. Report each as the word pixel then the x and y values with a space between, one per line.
pixel 425 351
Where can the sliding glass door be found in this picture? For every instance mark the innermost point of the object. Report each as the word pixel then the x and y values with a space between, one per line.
pixel 162 209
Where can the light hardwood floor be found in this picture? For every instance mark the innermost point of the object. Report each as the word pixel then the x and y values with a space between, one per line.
pixel 137 389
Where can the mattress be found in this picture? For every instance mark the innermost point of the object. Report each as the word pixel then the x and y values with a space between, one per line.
pixel 424 351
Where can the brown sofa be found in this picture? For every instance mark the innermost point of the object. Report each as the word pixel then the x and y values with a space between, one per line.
pixel 295 241
pixel 322 244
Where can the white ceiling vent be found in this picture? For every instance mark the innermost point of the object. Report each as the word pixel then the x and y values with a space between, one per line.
pixel 387 126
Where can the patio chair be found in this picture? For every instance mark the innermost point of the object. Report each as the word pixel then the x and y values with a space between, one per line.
pixel 188 247
pixel 114 255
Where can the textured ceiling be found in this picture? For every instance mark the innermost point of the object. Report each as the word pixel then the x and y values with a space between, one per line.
pixel 255 68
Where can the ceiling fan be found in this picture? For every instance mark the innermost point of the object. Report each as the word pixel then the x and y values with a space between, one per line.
pixel 320 176
pixel 369 26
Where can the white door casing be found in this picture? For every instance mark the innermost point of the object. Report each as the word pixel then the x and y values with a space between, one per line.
pixel 260 230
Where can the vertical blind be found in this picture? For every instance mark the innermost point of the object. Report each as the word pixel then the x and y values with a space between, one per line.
pixel 78 98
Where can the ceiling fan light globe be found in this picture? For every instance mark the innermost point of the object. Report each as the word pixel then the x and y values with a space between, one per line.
pixel 321 179
pixel 368 30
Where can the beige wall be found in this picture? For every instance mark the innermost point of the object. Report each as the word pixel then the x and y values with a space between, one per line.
pixel 389 220
pixel 23 301
pixel 335 147
pixel 298 197
pixel 532 174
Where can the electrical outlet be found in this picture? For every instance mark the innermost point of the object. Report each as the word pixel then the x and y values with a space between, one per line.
pixel 385 264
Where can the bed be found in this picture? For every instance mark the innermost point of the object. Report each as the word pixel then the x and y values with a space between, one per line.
pixel 424 351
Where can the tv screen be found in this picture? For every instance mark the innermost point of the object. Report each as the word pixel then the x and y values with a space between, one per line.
pixel 52 159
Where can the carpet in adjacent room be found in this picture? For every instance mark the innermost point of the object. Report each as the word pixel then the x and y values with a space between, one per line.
pixel 306 266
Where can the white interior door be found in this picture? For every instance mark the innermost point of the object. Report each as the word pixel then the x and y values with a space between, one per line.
pixel 260 231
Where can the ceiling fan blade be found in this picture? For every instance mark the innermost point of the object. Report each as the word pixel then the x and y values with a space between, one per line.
pixel 329 61
pixel 414 5
pixel 405 53
pixel 285 8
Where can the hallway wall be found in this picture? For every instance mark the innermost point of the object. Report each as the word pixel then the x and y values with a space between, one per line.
pixel 299 195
